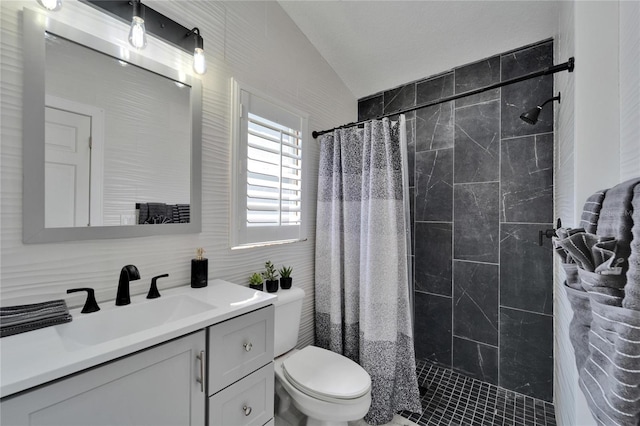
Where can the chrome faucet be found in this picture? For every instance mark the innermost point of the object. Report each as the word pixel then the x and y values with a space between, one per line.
pixel 128 273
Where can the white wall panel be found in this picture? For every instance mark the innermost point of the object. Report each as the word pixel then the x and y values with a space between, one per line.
pixel 254 42
pixel 565 373
pixel 629 90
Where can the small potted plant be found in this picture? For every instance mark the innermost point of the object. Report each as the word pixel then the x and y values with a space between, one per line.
pixel 270 276
pixel 255 281
pixel 285 277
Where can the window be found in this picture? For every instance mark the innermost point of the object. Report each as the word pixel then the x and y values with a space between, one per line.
pixel 268 175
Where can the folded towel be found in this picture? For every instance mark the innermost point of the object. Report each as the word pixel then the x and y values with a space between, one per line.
pixel 580 324
pixel 591 212
pixel 157 213
pixel 632 289
pixel 181 213
pixel 615 217
pixel 561 234
pixel 16 315
pixel 34 325
pixel 21 318
pixel 143 212
pixel 611 373
pixel 605 329
pixel 591 252
pixel 157 209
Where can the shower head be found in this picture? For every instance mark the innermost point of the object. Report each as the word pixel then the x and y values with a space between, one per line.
pixel 531 116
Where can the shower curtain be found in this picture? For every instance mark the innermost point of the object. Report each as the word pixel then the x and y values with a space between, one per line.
pixel 362 292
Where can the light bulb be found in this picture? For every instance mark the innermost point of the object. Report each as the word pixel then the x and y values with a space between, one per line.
pixel 199 62
pixel 51 4
pixel 138 34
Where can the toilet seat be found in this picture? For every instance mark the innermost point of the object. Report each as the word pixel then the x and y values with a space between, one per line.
pixel 326 375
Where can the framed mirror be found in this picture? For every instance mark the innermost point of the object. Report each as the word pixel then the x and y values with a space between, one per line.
pixel 111 139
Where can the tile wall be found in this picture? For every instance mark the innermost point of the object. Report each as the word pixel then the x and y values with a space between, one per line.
pixel 481 187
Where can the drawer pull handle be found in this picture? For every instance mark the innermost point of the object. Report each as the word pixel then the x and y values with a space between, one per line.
pixel 247 410
pixel 247 347
pixel 200 380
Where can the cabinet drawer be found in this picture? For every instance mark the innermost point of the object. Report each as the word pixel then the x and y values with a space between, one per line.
pixel 239 347
pixel 247 402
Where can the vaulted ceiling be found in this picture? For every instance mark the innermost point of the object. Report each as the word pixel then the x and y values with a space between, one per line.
pixel 378 45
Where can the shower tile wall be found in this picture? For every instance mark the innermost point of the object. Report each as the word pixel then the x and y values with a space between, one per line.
pixel 481 184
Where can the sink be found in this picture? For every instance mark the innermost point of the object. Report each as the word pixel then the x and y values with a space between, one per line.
pixel 120 321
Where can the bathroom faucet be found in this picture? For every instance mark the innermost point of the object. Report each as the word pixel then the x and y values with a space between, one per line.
pixel 128 273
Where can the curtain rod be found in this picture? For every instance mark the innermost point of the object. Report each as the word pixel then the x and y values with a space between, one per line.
pixel 568 66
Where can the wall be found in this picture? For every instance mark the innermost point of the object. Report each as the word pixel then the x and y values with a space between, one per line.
pixel 255 42
pixel 565 374
pixel 598 128
pixel 481 182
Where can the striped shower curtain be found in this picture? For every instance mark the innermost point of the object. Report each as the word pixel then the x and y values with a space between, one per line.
pixel 362 292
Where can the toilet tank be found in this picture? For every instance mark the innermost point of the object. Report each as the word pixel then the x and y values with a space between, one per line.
pixel 288 309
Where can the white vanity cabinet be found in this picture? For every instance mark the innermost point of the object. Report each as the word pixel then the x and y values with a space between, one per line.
pixel 241 376
pixel 157 386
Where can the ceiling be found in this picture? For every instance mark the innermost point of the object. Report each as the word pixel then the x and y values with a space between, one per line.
pixel 378 45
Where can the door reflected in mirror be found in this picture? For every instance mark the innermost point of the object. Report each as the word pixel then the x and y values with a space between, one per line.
pixel 117 141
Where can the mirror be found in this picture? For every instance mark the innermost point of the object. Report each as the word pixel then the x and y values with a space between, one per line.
pixel 112 140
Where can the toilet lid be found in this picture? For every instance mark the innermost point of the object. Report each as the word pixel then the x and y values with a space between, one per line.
pixel 326 375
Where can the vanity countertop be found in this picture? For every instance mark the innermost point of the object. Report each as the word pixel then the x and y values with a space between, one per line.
pixel 37 357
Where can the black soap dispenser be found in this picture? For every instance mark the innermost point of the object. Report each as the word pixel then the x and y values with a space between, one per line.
pixel 199 270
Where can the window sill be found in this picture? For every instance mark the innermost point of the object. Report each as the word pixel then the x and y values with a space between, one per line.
pixel 267 244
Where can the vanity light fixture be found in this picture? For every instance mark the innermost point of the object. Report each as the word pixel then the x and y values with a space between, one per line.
pixel 147 20
pixel 531 116
pixel 199 61
pixel 52 5
pixel 137 33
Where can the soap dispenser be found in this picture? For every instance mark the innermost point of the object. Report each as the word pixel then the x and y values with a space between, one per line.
pixel 199 270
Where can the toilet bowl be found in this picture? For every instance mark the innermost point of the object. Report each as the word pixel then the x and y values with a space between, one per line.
pixel 327 387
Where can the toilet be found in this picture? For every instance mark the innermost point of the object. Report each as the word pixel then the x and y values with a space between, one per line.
pixel 323 386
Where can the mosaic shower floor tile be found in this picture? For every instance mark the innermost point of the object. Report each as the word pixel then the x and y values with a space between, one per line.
pixel 450 398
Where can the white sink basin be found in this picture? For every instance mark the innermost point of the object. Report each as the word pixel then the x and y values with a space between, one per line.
pixel 120 321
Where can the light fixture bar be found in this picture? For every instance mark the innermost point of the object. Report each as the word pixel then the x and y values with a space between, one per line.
pixel 155 22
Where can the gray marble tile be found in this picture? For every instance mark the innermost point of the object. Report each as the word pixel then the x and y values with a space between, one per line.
pixel 370 108
pixel 433 328
pixel 526 269
pixel 434 127
pixel 411 150
pixel 527 179
pixel 476 222
pixel 524 61
pixel 520 97
pixel 526 353
pixel 412 215
pixel 477 143
pixel 434 88
pixel 433 257
pixel 475 76
pixel 399 98
pixel 434 185
pixel 475 301
pixel 476 360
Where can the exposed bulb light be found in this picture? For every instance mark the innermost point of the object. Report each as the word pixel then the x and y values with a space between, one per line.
pixel 199 61
pixel 52 5
pixel 137 33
